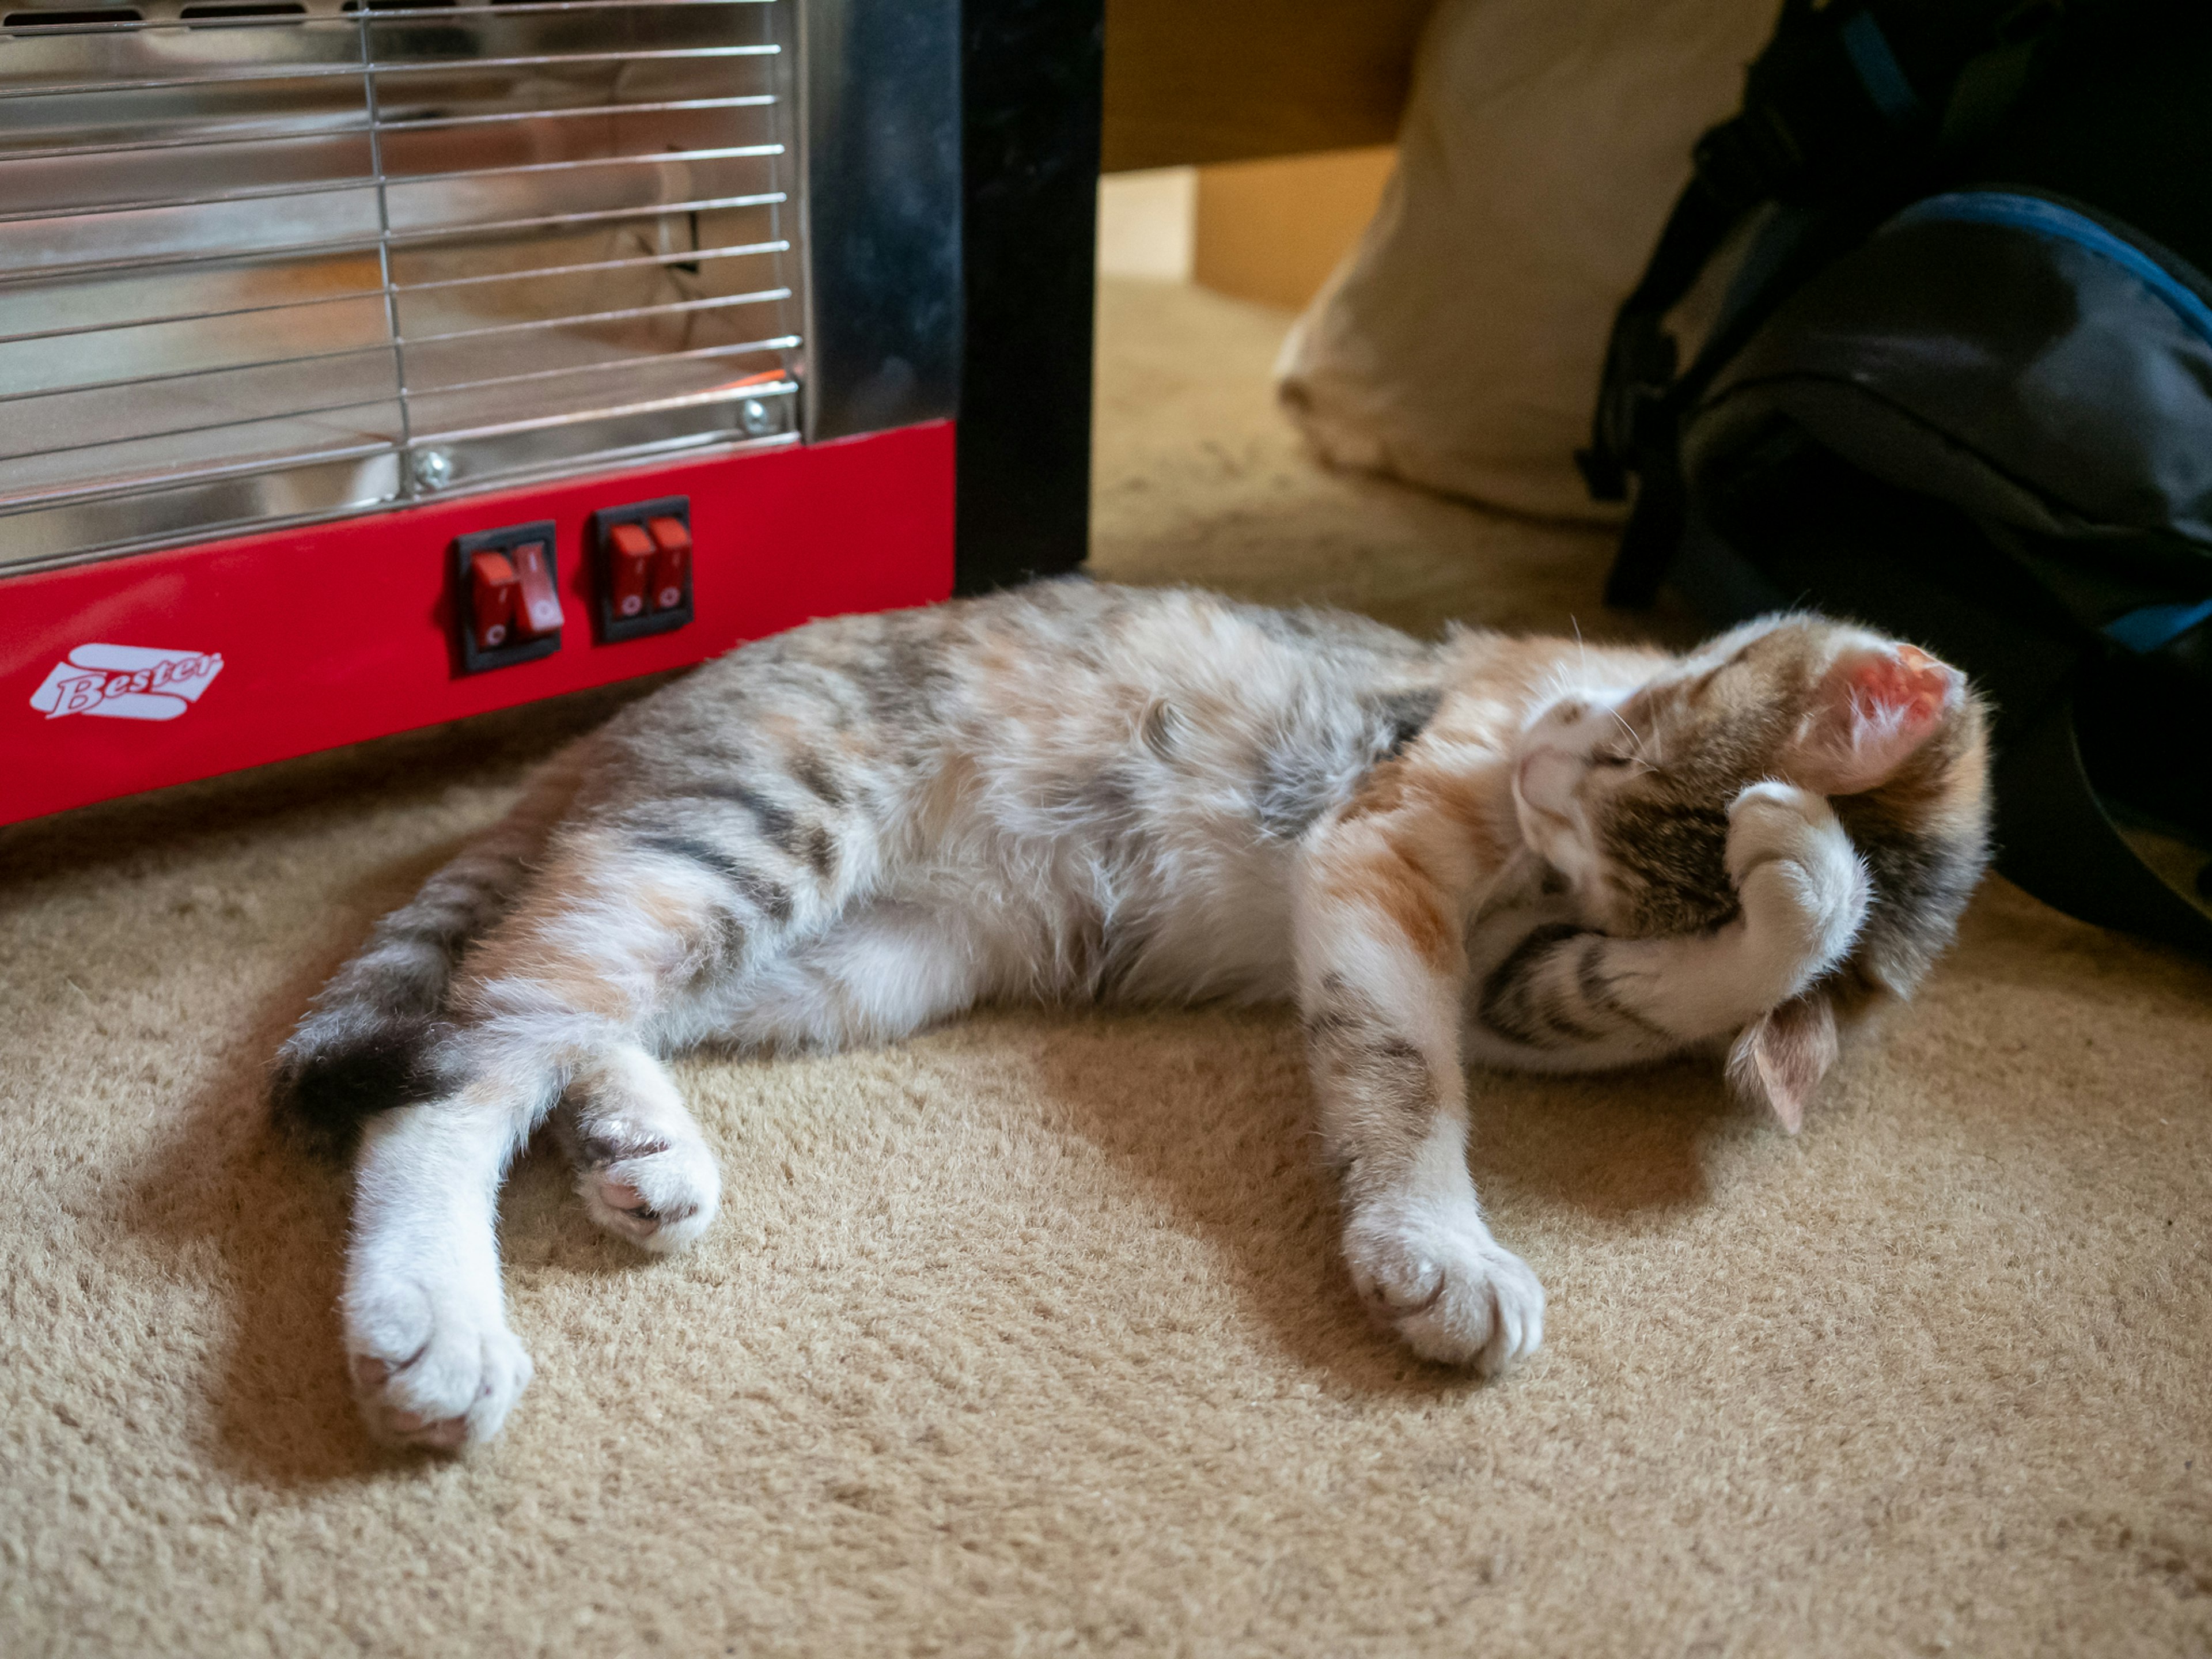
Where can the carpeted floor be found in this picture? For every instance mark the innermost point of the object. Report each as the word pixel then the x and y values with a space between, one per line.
pixel 1025 1338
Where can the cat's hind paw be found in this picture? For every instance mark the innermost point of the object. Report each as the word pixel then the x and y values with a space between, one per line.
pixel 660 1191
pixel 1451 1291
pixel 432 1368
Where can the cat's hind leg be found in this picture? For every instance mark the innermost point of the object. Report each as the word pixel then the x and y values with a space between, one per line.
pixel 431 1359
pixel 619 932
pixel 643 1168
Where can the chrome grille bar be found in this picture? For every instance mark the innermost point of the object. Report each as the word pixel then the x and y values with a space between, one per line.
pixel 688 257
pixel 342 70
pixel 202 141
pixel 352 244
pixel 418 124
pixel 468 175
pixel 674 308
pixel 575 418
pixel 746 349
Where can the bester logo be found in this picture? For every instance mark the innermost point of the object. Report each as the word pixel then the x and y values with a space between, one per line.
pixel 126 682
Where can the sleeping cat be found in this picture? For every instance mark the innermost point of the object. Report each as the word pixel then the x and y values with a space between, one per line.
pixel 1516 850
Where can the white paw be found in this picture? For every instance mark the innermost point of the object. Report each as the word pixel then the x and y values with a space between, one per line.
pixel 660 1191
pixel 1803 887
pixel 433 1366
pixel 1447 1288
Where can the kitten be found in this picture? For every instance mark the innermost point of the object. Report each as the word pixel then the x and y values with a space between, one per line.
pixel 1521 850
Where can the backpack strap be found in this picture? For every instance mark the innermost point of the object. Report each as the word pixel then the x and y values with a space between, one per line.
pixel 1831 109
pixel 2058 841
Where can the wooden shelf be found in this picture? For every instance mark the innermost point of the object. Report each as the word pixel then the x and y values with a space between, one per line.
pixel 1198 81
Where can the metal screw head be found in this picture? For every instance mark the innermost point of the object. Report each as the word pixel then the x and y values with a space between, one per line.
pixel 755 418
pixel 433 468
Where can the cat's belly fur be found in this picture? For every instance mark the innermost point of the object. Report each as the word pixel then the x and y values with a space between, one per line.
pixel 1097 797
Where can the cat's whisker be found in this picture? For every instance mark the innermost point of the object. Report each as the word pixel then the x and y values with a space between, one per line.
pixel 1636 737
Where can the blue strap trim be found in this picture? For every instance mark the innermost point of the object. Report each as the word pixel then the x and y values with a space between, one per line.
pixel 2061 224
pixel 2146 630
pixel 1880 72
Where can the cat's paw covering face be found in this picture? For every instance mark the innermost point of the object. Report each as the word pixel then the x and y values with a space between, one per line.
pixel 1627 794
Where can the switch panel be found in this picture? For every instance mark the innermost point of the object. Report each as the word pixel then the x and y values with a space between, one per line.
pixel 506 596
pixel 643 557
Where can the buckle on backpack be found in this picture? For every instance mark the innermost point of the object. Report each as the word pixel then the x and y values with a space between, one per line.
pixel 1639 368
pixel 1746 159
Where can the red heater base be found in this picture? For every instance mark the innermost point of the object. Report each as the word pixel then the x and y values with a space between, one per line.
pixel 159 668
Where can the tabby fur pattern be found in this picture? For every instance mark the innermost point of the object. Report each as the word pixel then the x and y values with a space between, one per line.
pixel 1519 851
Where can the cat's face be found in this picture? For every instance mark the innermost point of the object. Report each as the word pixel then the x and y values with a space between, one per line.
pixel 1626 793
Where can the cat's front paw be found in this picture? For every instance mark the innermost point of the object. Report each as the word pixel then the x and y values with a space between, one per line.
pixel 433 1365
pixel 1803 887
pixel 1449 1289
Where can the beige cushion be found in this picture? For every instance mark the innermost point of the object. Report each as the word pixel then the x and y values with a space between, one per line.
pixel 1458 345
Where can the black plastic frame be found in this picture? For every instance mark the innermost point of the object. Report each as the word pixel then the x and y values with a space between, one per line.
pixel 613 629
pixel 468 660
pixel 1032 79
pixel 951 170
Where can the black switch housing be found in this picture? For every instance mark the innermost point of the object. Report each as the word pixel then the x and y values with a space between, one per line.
pixel 613 628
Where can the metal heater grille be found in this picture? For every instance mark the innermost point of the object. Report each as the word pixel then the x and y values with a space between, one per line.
pixel 263 260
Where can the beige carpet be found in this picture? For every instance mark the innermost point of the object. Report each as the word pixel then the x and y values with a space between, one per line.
pixel 1025 1338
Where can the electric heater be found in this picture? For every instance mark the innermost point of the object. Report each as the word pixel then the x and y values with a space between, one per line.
pixel 364 365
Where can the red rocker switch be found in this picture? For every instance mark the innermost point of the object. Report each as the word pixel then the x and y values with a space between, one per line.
pixel 672 562
pixel 538 608
pixel 643 550
pixel 629 568
pixel 507 607
pixel 492 587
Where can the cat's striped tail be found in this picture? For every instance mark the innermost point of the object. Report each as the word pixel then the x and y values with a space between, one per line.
pixel 363 1045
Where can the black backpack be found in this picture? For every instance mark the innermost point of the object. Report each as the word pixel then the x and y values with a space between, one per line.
pixel 1940 289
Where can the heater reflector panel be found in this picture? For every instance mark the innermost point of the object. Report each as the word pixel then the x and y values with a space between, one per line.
pixel 264 261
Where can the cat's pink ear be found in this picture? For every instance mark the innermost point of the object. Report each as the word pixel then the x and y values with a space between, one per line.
pixel 1874 708
pixel 1781 1057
